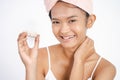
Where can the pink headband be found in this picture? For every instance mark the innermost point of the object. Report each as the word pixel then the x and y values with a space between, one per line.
pixel 86 5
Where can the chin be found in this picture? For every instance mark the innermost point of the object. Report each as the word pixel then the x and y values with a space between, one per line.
pixel 69 45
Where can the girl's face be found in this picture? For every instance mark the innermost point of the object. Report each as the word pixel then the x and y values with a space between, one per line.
pixel 69 24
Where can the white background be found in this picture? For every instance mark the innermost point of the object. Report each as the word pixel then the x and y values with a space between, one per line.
pixel 30 15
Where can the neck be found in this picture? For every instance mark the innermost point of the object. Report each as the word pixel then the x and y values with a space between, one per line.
pixel 69 52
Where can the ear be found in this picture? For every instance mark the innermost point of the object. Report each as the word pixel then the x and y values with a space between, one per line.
pixel 91 20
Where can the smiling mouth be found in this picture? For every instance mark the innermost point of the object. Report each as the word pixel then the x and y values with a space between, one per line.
pixel 67 37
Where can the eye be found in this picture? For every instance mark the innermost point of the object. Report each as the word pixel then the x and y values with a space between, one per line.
pixel 72 21
pixel 55 22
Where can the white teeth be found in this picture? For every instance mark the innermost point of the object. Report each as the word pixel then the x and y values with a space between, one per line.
pixel 67 37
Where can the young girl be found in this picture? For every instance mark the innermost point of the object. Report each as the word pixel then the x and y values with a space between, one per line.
pixel 75 57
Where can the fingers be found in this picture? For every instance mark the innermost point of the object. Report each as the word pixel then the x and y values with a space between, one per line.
pixel 88 41
pixel 87 45
pixel 36 42
pixel 22 43
pixel 22 39
pixel 85 50
pixel 22 36
pixel 90 45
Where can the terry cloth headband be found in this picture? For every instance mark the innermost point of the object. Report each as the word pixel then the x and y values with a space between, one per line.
pixel 86 5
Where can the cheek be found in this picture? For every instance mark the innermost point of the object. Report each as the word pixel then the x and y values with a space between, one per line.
pixel 81 34
pixel 80 30
pixel 55 30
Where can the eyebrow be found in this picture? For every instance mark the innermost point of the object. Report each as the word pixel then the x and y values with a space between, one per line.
pixel 67 17
pixel 72 17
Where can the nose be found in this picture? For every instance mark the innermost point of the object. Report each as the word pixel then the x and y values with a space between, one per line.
pixel 65 28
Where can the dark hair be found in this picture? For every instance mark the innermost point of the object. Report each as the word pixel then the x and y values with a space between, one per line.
pixel 50 16
pixel 87 15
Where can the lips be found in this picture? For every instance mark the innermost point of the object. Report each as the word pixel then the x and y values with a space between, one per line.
pixel 67 37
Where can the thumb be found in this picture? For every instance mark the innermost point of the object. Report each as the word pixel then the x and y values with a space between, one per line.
pixel 36 45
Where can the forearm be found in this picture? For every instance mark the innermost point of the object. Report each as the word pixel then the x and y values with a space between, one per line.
pixel 31 72
pixel 77 72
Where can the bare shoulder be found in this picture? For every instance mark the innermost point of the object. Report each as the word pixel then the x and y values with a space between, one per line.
pixel 106 70
pixel 56 46
pixel 41 60
pixel 43 54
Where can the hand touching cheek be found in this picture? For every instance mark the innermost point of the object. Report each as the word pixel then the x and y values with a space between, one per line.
pixel 85 50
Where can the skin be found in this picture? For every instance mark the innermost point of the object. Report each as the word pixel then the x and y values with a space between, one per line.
pixel 74 58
